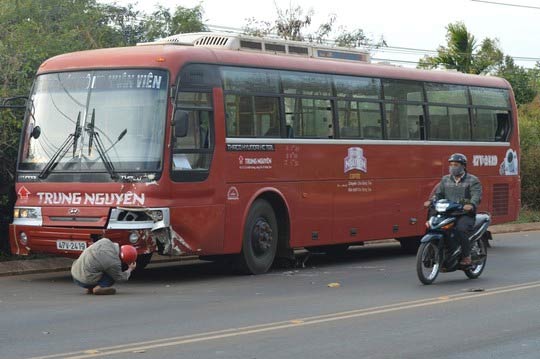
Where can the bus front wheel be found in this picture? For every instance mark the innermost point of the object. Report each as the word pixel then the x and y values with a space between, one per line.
pixel 260 238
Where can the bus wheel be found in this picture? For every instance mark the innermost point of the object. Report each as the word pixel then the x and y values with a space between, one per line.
pixel 260 240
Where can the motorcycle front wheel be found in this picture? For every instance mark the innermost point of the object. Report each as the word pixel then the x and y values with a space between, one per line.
pixel 479 258
pixel 428 262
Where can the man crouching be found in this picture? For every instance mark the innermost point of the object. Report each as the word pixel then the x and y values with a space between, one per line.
pixel 100 265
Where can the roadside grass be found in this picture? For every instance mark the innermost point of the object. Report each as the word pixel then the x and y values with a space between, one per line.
pixel 528 215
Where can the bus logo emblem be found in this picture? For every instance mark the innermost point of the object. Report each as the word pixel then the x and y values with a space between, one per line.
pixel 355 160
pixel 73 211
pixel 233 194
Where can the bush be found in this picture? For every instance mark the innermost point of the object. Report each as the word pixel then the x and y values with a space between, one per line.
pixel 529 128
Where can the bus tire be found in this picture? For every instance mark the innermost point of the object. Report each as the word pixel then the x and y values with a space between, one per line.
pixel 260 239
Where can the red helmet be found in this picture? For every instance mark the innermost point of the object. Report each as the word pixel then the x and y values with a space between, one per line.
pixel 128 254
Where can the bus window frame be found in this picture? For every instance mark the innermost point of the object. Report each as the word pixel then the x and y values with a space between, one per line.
pixel 193 175
pixel 424 124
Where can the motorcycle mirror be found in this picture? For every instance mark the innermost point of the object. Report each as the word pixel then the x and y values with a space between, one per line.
pixel 36 132
pixel 181 123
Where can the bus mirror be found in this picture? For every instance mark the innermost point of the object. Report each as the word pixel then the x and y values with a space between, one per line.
pixel 181 123
pixel 36 132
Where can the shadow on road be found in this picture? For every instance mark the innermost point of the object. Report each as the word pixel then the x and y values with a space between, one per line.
pixel 208 270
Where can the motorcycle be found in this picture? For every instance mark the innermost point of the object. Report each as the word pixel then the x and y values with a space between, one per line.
pixel 440 250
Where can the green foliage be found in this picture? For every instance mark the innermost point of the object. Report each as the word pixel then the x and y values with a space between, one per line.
pixel 32 31
pixel 162 23
pixel 523 80
pixel 293 23
pixel 463 54
pixel 529 127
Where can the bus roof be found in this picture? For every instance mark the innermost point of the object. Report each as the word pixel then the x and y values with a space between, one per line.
pixel 172 57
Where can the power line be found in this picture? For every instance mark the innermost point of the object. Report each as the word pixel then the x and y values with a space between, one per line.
pixel 507 4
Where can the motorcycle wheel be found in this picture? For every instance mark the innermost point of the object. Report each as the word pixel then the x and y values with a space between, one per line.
pixel 428 262
pixel 478 250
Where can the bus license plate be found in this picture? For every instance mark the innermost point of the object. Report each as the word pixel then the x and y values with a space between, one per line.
pixel 70 245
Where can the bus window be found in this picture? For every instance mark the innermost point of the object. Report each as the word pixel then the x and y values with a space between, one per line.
pixel 449 123
pixel 482 96
pixel 446 94
pixel 186 155
pixel 359 120
pixel 357 87
pixel 250 80
pixel 397 90
pixel 300 83
pixel 193 152
pixel 309 117
pixel 490 125
pixel 404 122
pixel 252 116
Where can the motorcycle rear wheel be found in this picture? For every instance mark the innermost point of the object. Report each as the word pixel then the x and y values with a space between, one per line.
pixel 479 249
pixel 428 262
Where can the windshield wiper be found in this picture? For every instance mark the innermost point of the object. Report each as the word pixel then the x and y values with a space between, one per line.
pixel 71 141
pixel 90 128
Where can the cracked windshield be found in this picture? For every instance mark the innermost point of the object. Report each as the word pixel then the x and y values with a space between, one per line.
pixel 96 121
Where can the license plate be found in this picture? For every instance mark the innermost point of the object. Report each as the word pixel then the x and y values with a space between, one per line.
pixel 71 245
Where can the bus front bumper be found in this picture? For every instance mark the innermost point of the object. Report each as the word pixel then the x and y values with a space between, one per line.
pixel 70 242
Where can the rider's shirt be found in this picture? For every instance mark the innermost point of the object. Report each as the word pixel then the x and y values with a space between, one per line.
pixel 465 190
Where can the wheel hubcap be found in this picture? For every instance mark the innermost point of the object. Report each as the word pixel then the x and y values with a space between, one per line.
pixel 261 237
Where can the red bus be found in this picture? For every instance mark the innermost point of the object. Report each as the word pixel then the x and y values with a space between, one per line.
pixel 203 150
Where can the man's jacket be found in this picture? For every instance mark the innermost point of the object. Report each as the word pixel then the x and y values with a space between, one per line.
pixel 467 191
pixel 101 257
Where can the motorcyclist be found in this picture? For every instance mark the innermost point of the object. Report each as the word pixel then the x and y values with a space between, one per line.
pixel 461 187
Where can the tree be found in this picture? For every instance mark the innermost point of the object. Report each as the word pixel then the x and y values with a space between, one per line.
pixel 293 24
pixel 31 33
pixel 462 53
pixel 162 23
pixel 523 81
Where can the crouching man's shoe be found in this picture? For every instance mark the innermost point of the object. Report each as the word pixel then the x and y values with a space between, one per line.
pixel 104 291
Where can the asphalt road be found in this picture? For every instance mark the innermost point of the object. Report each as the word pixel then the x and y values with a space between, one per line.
pixel 203 310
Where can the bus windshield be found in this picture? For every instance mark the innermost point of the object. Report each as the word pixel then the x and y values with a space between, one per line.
pixel 96 121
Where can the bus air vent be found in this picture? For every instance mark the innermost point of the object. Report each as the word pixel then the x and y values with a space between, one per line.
pixel 273 45
pixel 275 48
pixel 298 50
pixel 250 45
pixel 500 199
pixel 215 41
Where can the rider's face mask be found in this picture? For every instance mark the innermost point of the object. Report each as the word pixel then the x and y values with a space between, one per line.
pixel 456 169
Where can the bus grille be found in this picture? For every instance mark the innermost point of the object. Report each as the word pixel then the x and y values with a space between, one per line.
pixel 500 199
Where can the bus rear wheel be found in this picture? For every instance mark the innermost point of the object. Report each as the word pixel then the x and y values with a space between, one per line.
pixel 260 238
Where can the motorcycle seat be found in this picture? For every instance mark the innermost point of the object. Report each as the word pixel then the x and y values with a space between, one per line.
pixel 480 219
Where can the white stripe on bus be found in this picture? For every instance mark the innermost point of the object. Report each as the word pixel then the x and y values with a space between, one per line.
pixel 311 141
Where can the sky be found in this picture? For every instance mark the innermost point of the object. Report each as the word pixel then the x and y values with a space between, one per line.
pixel 413 24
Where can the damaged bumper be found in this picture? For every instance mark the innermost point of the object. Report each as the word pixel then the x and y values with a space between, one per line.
pixel 148 229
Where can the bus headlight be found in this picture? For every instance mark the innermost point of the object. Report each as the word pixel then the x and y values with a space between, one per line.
pixel 27 216
pixel 27 212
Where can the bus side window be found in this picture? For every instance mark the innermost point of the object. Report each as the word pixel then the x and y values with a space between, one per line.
pixel 503 127
pixel 192 151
